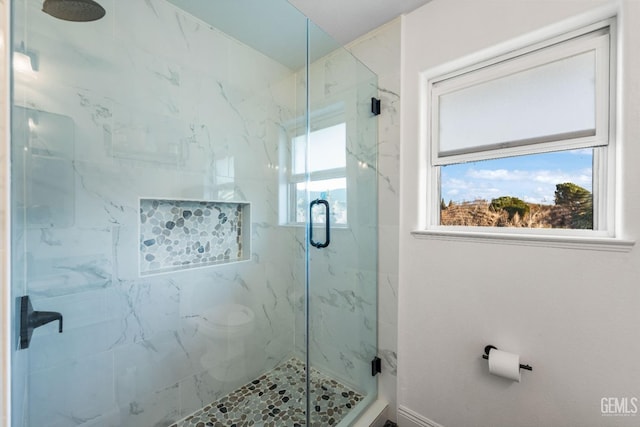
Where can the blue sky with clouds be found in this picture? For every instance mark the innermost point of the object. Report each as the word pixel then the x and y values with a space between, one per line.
pixel 531 178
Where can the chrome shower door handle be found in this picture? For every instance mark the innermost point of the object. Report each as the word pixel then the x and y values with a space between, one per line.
pixel 326 222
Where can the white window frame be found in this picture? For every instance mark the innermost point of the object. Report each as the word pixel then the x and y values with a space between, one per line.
pixel 514 55
pixel 322 118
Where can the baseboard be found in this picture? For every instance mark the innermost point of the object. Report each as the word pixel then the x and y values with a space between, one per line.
pixel 408 418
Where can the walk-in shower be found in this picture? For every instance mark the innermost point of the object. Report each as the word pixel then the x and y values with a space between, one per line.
pixel 175 165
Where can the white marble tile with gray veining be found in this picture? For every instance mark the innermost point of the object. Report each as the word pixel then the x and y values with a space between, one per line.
pixel 92 392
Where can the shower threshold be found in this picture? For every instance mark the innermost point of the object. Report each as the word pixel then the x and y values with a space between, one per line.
pixel 277 399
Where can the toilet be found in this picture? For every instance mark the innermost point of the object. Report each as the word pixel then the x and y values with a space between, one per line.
pixel 227 330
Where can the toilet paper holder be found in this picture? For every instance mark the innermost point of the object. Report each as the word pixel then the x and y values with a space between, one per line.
pixel 488 348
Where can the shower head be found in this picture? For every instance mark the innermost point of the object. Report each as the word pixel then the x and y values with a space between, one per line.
pixel 74 10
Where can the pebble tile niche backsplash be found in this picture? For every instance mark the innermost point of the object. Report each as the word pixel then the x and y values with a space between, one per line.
pixel 183 234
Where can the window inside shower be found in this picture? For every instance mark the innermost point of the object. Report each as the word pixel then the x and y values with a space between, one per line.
pixel 327 174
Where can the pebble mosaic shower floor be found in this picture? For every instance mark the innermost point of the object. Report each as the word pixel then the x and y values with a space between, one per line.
pixel 277 399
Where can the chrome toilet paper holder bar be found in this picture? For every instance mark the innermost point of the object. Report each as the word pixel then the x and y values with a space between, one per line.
pixel 488 348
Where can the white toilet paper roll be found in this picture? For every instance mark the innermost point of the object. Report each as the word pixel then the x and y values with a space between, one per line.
pixel 504 364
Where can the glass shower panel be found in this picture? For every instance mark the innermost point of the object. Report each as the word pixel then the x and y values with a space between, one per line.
pixel 146 173
pixel 343 275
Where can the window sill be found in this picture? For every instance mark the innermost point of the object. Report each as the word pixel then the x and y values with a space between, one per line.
pixel 608 244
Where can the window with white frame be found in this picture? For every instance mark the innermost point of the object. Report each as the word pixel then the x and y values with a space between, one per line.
pixel 525 140
pixel 326 165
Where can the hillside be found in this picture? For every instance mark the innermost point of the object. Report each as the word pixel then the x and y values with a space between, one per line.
pixel 481 213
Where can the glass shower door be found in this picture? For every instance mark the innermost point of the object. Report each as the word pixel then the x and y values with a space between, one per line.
pixel 118 124
pixel 342 191
pixel 138 137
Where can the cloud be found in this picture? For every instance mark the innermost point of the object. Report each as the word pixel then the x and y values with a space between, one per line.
pixel 582 177
pixel 493 174
pixel 534 186
pixel 467 190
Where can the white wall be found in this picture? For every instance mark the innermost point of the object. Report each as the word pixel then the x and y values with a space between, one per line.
pixel 572 314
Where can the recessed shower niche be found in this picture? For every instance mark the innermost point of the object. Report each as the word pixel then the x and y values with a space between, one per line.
pixel 185 234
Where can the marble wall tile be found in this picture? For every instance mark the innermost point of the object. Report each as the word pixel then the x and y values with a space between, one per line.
pixel 91 326
pixel 158 409
pixel 144 367
pixel 146 308
pixel 49 349
pixel 53 276
pixel 197 391
pixel 111 418
pixel 54 403
pixel 388 264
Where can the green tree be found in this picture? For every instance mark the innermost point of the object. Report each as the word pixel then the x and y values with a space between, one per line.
pixel 512 205
pixel 574 206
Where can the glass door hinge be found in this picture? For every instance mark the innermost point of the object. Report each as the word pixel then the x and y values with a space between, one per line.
pixel 375 106
pixel 376 366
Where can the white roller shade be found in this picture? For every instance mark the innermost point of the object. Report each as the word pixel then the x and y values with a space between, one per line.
pixel 550 99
